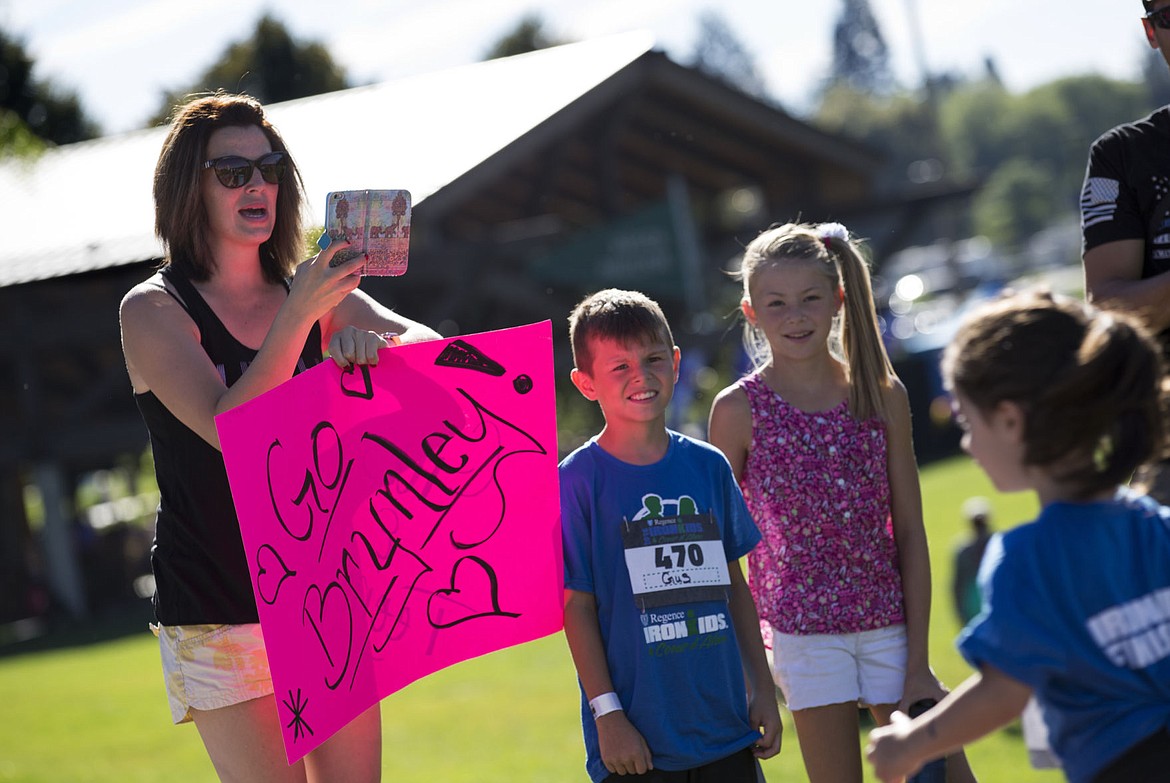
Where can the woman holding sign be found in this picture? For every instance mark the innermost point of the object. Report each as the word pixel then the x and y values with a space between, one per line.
pixel 231 314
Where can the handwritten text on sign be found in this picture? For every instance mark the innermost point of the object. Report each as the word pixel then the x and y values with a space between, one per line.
pixel 398 518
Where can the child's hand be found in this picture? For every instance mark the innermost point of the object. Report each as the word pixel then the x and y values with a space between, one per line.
pixel 623 749
pixel 764 714
pixel 889 752
pixel 920 684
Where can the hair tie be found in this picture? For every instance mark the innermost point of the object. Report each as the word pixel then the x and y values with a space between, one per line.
pixel 826 232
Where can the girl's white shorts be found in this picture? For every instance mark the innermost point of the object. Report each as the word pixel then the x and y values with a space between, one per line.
pixel 820 669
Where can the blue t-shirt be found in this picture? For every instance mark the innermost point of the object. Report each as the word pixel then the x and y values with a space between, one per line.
pixel 673 655
pixel 1076 605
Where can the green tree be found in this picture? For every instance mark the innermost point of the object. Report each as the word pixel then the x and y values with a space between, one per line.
pixel 894 124
pixel 719 53
pixel 984 127
pixel 861 59
pixel 44 110
pixel 271 66
pixel 529 35
pixel 1029 150
pixel 15 137
pixel 972 121
pixel 1015 202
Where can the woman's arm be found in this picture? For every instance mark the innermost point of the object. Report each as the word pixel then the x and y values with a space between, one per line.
pixel 163 355
pixel 351 332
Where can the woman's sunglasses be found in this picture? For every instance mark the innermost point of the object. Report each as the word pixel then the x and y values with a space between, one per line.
pixel 234 171
pixel 1160 18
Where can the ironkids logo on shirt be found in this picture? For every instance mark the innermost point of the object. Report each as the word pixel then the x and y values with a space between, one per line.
pixel 1135 634
pixel 674 632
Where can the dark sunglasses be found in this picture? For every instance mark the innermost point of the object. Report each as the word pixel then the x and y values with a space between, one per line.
pixel 1160 18
pixel 234 171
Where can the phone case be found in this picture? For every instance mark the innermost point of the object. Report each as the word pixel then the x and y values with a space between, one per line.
pixel 376 223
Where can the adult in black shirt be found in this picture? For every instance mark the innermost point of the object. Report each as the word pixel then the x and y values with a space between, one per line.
pixel 1125 221
pixel 232 314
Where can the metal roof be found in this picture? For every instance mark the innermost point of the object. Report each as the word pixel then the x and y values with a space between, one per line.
pixel 88 206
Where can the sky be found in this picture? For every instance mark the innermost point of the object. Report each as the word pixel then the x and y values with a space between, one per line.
pixel 121 56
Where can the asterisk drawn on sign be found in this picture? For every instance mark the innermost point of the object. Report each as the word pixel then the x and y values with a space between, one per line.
pixel 297 708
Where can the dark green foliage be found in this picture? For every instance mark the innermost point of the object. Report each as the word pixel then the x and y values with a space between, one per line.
pixel 1028 150
pixel 46 112
pixel 1017 201
pixel 271 66
pixel 529 35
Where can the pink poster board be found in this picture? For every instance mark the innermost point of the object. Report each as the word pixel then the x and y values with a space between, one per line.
pixel 398 519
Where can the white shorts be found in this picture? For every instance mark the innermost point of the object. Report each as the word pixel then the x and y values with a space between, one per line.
pixel 820 669
pixel 211 666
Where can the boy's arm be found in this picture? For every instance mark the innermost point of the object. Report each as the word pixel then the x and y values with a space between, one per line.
pixel 984 702
pixel 623 749
pixel 763 711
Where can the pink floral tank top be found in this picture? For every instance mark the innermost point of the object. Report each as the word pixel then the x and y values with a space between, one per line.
pixel 817 487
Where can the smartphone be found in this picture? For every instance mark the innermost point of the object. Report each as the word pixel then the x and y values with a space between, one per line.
pixel 377 225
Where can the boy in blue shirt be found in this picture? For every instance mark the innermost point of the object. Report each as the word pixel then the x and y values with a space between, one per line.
pixel 658 617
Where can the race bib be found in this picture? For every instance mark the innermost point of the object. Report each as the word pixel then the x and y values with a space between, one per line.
pixel 675 560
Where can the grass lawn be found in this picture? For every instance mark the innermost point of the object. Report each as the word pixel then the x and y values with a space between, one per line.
pixel 96 712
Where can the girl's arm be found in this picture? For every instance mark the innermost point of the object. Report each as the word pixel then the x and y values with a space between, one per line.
pixel 729 427
pixel 913 552
pixel 763 712
pixel 623 749
pixel 987 700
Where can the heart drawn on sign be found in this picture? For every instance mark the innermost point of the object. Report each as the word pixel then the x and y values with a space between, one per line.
pixel 475 592
pixel 271 573
pixel 330 615
pixel 355 382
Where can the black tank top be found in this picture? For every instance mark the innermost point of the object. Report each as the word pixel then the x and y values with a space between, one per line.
pixel 200 570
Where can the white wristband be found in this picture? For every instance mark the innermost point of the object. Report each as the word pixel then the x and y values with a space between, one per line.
pixel 604 704
pixel 391 338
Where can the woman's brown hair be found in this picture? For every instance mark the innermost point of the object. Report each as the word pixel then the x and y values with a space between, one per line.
pixel 181 220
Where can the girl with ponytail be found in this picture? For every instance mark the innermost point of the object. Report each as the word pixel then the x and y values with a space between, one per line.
pixel 818 436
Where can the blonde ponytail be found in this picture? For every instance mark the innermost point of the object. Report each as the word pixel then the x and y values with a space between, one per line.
pixel 870 370
pixel 859 341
